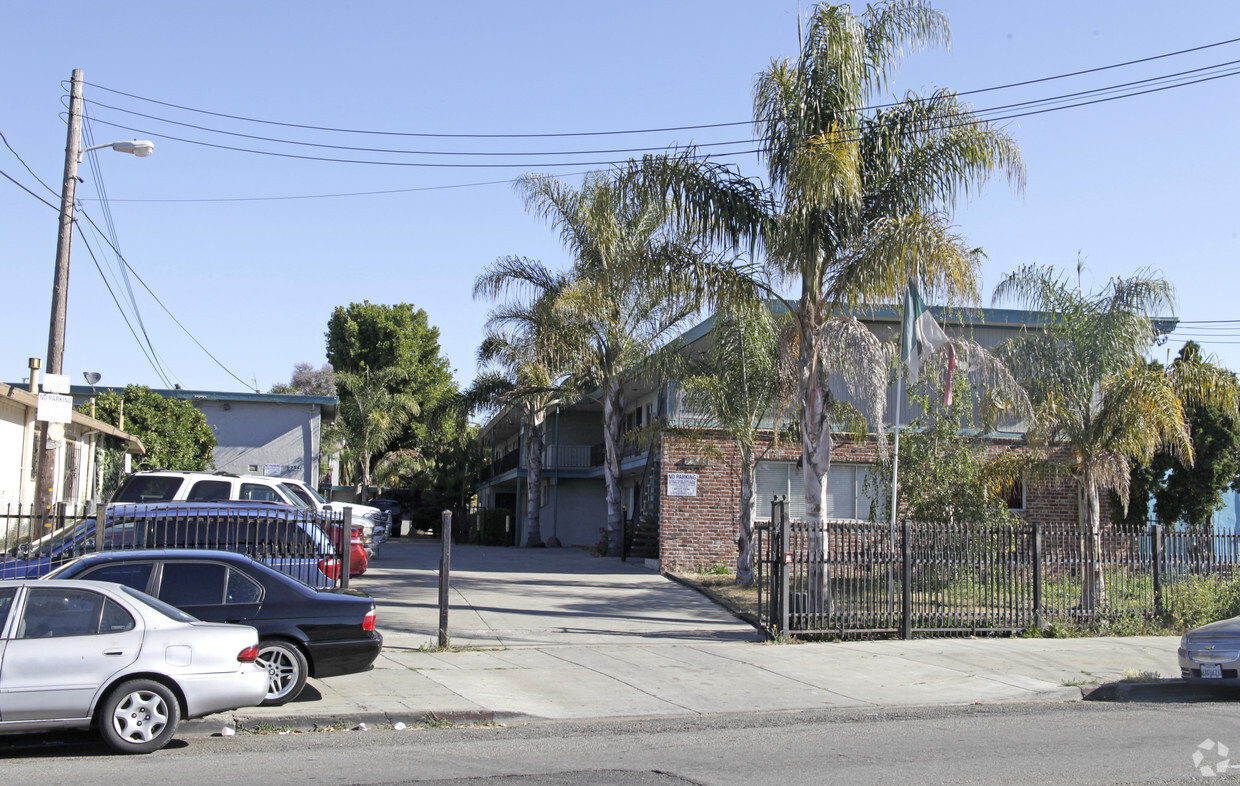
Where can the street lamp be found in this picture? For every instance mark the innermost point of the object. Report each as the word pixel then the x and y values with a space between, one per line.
pixel 60 284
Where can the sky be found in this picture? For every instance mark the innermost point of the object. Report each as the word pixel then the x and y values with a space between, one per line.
pixel 236 259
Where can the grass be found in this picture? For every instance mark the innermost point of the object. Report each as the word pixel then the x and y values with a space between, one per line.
pixel 1132 675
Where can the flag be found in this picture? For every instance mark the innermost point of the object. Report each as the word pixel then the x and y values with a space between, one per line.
pixel 921 336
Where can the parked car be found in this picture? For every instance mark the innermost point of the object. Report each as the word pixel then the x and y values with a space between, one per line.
pixel 183 486
pixel 1211 653
pixel 89 654
pixel 393 508
pixel 302 632
pixel 281 536
pixel 378 523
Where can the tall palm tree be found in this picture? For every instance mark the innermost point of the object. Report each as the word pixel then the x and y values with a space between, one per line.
pixel 371 416
pixel 634 284
pixel 528 364
pixel 856 205
pixel 1093 391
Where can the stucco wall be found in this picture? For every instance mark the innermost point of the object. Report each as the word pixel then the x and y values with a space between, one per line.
pixel 253 435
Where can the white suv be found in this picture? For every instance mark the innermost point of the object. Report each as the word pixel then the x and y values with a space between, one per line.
pixel 166 485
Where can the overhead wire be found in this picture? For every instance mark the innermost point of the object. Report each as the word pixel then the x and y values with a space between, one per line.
pixel 285 124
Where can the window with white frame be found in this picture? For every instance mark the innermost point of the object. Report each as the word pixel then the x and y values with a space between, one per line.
pixel 846 495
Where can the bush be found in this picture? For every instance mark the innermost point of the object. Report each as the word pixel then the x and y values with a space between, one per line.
pixel 1195 600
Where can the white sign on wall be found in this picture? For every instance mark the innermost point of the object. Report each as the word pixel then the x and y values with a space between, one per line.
pixel 56 383
pixel 273 470
pixel 681 484
pixel 55 408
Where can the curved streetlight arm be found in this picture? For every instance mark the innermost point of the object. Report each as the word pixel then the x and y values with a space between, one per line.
pixel 138 147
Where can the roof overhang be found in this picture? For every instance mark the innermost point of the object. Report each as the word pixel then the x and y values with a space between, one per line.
pixel 31 401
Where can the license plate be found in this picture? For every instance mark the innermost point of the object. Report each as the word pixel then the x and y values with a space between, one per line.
pixel 1212 671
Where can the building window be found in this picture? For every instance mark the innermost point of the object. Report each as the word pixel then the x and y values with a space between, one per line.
pixel 846 495
pixel 1016 497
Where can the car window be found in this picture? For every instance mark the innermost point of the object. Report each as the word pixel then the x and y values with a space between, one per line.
pixel 6 602
pixel 171 612
pixel 115 619
pixel 148 488
pixel 242 588
pixel 131 574
pixel 193 583
pixel 208 490
pixel 297 492
pixel 258 492
pixel 56 612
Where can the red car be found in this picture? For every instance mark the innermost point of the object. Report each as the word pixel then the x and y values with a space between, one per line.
pixel 357 553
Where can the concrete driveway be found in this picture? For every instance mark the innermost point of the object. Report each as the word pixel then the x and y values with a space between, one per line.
pixel 509 597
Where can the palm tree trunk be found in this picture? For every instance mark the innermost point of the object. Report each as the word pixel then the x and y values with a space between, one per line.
pixel 613 411
pixel 816 460
pixel 744 540
pixel 535 431
pixel 1093 585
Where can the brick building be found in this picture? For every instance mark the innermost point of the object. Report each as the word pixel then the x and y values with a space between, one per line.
pixel 690 489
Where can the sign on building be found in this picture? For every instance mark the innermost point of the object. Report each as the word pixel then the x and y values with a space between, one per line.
pixel 55 408
pixel 681 484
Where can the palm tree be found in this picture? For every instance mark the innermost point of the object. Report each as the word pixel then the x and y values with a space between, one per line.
pixel 371 416
pixel 742 388
pixel 856 203
pixel 1093 391
pixel 634 284
pixel 528 365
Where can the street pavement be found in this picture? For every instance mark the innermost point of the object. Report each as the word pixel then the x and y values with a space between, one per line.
pixel 558 634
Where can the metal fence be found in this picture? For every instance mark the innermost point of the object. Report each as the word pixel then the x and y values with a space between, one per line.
pixel 858 579
pixel 303 544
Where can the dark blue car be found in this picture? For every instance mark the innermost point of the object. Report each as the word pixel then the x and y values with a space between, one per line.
pixel 281 536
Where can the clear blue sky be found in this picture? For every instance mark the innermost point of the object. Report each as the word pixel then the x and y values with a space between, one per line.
pixel 1149 181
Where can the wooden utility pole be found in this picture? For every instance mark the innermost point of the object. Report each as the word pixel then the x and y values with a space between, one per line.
pixel 60 285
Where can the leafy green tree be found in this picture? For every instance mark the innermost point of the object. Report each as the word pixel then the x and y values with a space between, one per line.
pixel 308 381
pixel 944 474
pixel 525 358
pixel 1093 391
pixel 1192 493
pixel 743 387
pixel 371 416
pixel 632 289
pixel 857 202
pixel 175 433
pixel 369 337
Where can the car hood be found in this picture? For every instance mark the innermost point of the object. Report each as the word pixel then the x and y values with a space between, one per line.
pixel 1228 627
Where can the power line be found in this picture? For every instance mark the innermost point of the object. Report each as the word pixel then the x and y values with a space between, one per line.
pixel 641 130
pixel 10 178
pixel 28 169
pixel 169 312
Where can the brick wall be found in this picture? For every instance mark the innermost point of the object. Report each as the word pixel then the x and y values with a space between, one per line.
pixel 700 531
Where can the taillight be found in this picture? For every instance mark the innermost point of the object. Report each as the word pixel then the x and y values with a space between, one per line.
pixel 368 622
pixel 330 568
pixel 248 655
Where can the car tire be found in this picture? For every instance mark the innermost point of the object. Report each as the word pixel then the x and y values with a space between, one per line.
pixel 286 670
pixel 139 716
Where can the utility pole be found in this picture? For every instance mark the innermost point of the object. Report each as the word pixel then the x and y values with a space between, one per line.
pixel 60 284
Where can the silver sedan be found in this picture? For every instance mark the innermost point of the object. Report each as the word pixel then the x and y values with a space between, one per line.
pixel 1212 652
pixel 91 654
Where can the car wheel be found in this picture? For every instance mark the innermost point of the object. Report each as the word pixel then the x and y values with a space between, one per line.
pixel 139 716
pixel 286 671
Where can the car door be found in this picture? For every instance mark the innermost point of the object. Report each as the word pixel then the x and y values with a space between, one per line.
pixel 65 645
pixel 211 591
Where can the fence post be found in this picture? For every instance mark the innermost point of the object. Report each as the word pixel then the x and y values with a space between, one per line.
pixel 1037 576
pixel 785 552
pixel 346 546
pixel 906 575
pixel 1156 564
pixel 445 561
pixel 100 518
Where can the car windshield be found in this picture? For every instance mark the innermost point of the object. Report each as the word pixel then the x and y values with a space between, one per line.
pixel 163 608
pixel 313 493
pixel 299 494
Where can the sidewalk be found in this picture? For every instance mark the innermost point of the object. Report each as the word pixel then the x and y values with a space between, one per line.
pixel 558 634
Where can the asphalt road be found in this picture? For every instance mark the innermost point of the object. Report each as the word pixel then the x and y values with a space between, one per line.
pixel 1076 742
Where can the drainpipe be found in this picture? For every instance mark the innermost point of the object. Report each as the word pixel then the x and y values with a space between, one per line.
pixel 28 434
pixel 555 493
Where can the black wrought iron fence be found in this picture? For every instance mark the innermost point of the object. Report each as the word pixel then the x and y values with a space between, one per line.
pixel 859 579
pixel 306 545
